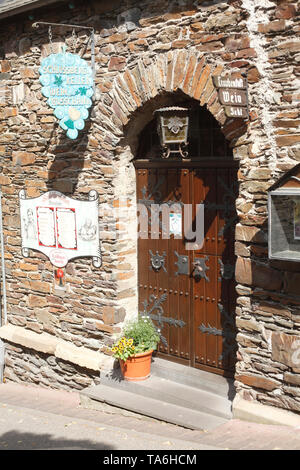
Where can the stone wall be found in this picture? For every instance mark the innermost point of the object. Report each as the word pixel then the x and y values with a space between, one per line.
pixel 149 54
pixel 33 367
pixel 268 318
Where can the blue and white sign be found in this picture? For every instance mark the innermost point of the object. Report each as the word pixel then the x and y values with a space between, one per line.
pixel 67 82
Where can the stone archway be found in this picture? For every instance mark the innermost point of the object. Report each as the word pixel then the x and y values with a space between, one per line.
pixel 127 108
pixel 187 71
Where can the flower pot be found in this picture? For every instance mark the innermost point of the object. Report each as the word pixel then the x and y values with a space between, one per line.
pixel 137 367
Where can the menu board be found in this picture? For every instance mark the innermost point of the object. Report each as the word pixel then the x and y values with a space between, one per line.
pixel 46 226
pixel 60 227
pixel 66 228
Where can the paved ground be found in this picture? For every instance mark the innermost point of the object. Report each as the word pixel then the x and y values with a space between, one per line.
pixel 37 418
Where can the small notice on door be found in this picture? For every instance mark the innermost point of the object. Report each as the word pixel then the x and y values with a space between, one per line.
pixel 175 223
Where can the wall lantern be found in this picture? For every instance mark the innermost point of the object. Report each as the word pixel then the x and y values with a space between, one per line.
pixel 173 125
pixel 284 217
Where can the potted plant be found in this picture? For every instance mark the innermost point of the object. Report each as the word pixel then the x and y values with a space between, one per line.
pixel 134 350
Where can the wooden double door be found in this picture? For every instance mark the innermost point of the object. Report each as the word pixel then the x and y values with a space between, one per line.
pixel 189 293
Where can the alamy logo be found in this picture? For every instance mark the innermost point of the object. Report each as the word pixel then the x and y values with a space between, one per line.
pixel 177 219
pixel 156 221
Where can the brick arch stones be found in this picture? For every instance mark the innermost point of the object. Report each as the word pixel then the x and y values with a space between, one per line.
pixel 123 116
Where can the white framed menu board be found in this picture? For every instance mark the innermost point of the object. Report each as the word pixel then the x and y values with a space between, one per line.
pixel 61 227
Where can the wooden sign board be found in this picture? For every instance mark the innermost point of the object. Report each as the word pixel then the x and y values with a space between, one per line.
pixel 236 112
pixel 226 81
pixel 232 97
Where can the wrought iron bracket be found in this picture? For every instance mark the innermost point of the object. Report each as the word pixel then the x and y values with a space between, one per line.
pixel 74 26
pixel 183 153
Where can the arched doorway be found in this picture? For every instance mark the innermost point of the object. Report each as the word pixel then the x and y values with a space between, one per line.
pixel 190 294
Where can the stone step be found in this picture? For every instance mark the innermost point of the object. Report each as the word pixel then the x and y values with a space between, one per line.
pixel 176 393
pixel 173 393
pixel 151 407
pixel 194 377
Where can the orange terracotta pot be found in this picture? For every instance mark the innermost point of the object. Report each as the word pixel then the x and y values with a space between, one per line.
pixel 137 367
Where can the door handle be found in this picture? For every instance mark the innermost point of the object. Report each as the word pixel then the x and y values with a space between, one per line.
pixel 200 268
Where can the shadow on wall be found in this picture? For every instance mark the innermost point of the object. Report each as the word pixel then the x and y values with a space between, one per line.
pixel 68 162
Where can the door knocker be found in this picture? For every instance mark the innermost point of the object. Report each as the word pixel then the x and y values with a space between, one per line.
pixel 200 268
pixel 157 261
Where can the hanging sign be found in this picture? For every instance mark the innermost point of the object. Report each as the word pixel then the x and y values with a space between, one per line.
pixel 235 111
pixel 232 92
pixel 226 81
pixel 60 227
pixel 233 97
pixel 67 82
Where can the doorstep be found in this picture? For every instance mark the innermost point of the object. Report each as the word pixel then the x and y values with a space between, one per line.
pixel 173 393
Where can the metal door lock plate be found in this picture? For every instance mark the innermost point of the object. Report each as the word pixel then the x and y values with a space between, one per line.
pixel 182 264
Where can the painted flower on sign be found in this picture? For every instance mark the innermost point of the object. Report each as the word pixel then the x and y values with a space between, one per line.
pixel 67 83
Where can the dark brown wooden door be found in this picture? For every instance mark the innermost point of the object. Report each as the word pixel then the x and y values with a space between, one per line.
pixel 190 294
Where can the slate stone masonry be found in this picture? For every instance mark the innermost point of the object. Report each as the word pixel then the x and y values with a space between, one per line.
pixel 146 51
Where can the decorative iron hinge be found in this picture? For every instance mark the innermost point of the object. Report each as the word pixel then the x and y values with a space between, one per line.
pixel 159 315
pixel 228 332
pixel 211 330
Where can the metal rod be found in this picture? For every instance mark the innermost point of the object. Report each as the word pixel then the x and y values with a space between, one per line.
pixel 3 264
pixel 2 360
pixel 37 23
pixel 2 345
pixel 93 56
pixel 72 26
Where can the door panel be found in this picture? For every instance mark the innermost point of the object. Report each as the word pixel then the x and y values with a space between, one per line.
pixel 190 294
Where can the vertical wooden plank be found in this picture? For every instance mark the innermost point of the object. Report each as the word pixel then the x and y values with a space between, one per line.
pixel 173 341
pixel 199 286
pixel 142 182
pixel 162 280
pixel 183 280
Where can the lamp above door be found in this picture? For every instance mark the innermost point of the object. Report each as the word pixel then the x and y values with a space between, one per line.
pixel 173 125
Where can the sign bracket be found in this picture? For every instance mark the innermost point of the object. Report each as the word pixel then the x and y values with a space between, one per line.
pixel 73 26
